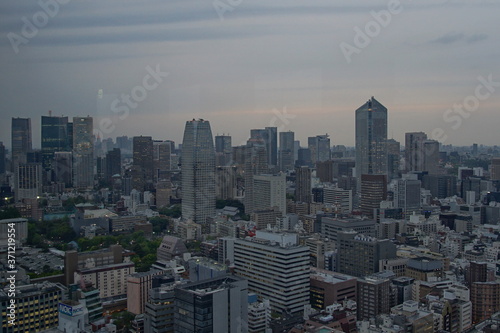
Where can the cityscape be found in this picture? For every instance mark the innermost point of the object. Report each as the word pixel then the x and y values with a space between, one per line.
pixel 249 167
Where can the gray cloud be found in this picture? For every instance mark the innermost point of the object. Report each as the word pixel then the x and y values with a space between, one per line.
pixel 455 37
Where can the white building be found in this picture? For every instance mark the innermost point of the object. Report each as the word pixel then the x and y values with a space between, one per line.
pixel 269 191
pixel 276 267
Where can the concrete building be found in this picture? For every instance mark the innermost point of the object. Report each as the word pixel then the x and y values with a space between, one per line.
pixel 20 227
pixel 407 194
pixel 351 244
pixel 340 198
pixel 415 320
pixel 74 260
pixel 269 191
pixel 374 297
pixel 373 192
pixel 329 288
pixel 330 227
pixel 138 286
pixel 28 181
pixel 485 298
pixel 276 267
pixel 162 150
pixel 36 307
pixel 170 248
pixel 259 314
pixel 159 309
pixel 215 305
pixel 286 151
pixel 111 280
pixel 319 146
pixel 202 268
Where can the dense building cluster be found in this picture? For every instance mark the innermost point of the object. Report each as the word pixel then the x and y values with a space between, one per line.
pixel 270 236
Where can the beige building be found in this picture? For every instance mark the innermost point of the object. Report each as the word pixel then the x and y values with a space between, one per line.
pixel 111 280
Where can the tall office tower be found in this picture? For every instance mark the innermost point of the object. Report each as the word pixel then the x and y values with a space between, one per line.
pixel 340 198
pixel 374 297
pixel 142 165
pixel 225 181
pixel 113 164
pixel 63 167
pixel 162 151
pixel 54 138
pixel 83 152
pixel 287 151
pixel 414 158
pixel 215 305
pixel 371 138
pixel 319 146
pixel 431 156
pixel 304 157
pixel 351 245
pixel 256 163
pixel 198 172
pixel 276 267
pixel 21 139
pixel 373 191
pixel 270 137
pixel 407 195
pixel 495 168
pixel 2 158
pixel 393 157
pixel 223 150
pixel 269 191
pixel 324 171
pixel 296 147
pixel 28 181
pixel 303 184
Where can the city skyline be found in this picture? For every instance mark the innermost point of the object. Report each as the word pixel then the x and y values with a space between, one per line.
pixel 256 65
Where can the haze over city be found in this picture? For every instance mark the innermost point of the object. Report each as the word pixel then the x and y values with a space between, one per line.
pixel 234 63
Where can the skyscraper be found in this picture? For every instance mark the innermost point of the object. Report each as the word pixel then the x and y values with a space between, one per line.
pixel 113 164
pixel 142 165
pixel 21 139
pixel 269 191
pixel 413 151
pixel 83 152
pixel 198 171
pixel 286 151
pixel 303 184
pixel 319 146
pixel 270 137
pixel 162 151
pixel 54 138
pixel 255 164
pixel 2 158
pixel 393 156
pixel 223 150
pixel 371 137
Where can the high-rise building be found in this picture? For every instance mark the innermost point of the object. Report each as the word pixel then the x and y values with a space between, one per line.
pixel 286 151
pixel 393 157
pixel 407 194
pixel 276 267
pixel 421 154
pixel 371 139
pixel 352 244
pixel 269 191
pixel 113 164
pixel 36 307
pixel 303 184
pixel 340 198
pixel 21 139
pixel 83 152
pixel 63 167
pixel 214 305
pixel 256 163
pixel 441 186
pixel 319 146
pixel 373 191
pixel 54 138
pixel 198 172
pixel 159 309
pixel 485 298
pixel 225 180
pixel 138 286
pixel 328 288
pixel 142 165
pixel 495 169
pixel 223 150
pixel 28 181
pixel 374 297
pixel 162 151
pixel 324 171
pixel 270 137
pixel 413 151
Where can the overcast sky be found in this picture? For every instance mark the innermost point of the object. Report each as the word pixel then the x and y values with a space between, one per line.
pixel 246 64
